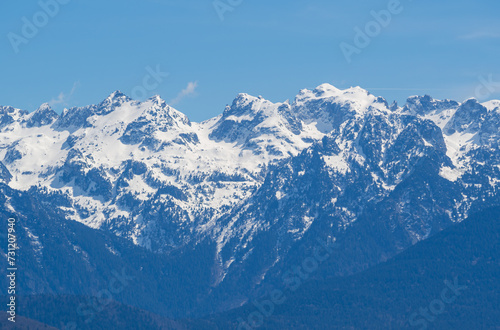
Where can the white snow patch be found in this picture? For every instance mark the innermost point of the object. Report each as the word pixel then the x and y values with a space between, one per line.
pixel 450 174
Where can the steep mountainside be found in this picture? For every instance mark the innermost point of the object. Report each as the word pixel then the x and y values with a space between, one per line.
pixel 449 281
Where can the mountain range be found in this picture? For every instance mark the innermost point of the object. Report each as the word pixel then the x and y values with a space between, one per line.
pixel 215 213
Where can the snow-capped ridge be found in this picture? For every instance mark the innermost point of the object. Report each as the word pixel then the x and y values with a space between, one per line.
pixel 426 104
pixel 325 89
pixel 244 100
pixel 356 90
pixel 353 95
pixel 493 105
pixel 9 115
pixel 246 107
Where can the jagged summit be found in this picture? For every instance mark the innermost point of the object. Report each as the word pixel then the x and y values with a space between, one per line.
pixel 9 115
pixel 468 117
pixel 114 100
pixel 422 105
pixel 117 95
pixel 42 116
pixel 44 107
pixel 248 105
pixel 157 100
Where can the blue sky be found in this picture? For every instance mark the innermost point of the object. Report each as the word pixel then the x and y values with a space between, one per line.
pixel 88 48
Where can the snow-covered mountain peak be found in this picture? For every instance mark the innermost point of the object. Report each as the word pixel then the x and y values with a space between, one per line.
pixel 10 114
pixel 359 98
pixel 245 104
pixel 425 105
pixel 243 117
pixel 438 111
pixel 156 99
pixel 268 130
pixel 79 117
pixel 472 104
pixel 42 116
pixel 117 95
pixel 468 117
pixel 327 107
pixel 44 107
pixel 158 111
pixel 114 100
pixel 326 89
pixel 243 98
pixel 320 92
